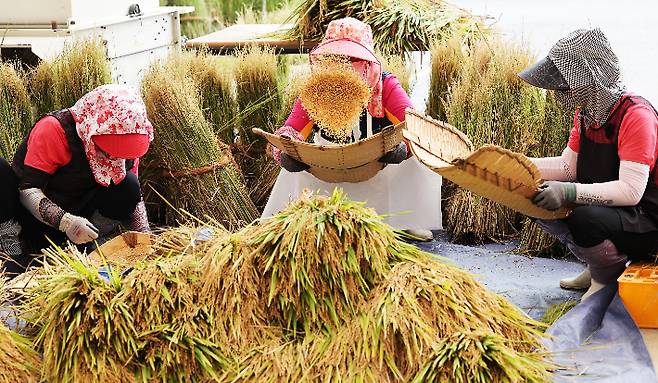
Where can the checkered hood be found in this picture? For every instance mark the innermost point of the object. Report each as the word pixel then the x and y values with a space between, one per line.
pixel 590 67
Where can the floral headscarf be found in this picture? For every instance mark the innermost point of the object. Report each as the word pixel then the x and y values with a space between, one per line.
pixel 109 109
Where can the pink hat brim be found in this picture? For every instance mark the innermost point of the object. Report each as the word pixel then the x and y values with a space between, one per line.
pixel 127 146
pixel 344 47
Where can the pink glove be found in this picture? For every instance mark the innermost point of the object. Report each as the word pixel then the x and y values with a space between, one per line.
pixel 285 131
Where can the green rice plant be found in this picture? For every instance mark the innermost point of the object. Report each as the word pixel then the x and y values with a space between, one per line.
pixel 483 358
pixel 557 311
pixel 174 326
pixel 321 256
pixel 85 332
pixel 42 86
pixel 15 111
pixel 399 67
pixel 197 172
pixel 398 26
pixel 414 313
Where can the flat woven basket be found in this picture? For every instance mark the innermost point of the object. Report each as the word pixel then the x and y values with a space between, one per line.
pixel 355 162
pixel 123 250
pixel 495 173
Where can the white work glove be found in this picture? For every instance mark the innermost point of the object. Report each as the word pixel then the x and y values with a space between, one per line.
pixel 78 229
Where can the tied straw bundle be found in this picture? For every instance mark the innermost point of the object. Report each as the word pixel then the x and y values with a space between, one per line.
pixel 81 67
pixel 200 175
pixel 334 96
pixel 15 111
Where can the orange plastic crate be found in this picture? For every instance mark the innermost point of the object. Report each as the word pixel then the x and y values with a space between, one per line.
pixel 638 289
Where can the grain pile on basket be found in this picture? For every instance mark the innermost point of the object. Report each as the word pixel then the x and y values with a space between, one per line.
pixel 323 291
pixel 81 67
pixel 15 111
pixel 193 170
pixel 334 96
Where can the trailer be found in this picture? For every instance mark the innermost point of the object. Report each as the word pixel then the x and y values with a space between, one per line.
pixel 135 32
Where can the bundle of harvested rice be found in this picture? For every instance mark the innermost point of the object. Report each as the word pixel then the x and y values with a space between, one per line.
pixel 85 332
pixel 78 69
pixel 398 26
pixel 198 173
pixel 15 111
pixel 19 361
pixel 407 332
pixel 42 88
pixel 174 326
pixel 215 84
pixel 259 104
pixel 551 141
pixel 321 256
pixel 491 105
pixel 483 358
pixel 447 60
pixel 334 96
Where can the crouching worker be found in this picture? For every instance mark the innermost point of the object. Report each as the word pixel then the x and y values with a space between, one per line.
pixel 76 175
pixel 608 169
pixel 405 186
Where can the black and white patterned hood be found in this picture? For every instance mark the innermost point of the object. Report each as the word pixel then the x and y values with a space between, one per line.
pixel 590 67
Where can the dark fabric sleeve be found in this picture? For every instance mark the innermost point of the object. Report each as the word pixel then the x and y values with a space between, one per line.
pixel 33 178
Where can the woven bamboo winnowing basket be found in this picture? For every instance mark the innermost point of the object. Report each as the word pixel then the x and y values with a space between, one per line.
pixel 495 173
pixel 355 162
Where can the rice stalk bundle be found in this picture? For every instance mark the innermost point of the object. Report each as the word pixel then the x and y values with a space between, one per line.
pixel 234 288
pixel 201 176
pixel 492 105
pixel 398 26
pixel 398 66
pixel 257 93
pixel 447 60
pixel 483 358
pixel 215 85
pixel 552 140
pixel 85 332
pixel 259 106
pixel 15 111
pixel 19 361
pixel 42 88
pixel 174 325
pixel 320 257
pixel 406 330
pixel 334 96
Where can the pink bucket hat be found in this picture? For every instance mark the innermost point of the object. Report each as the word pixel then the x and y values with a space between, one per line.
pixel 353 38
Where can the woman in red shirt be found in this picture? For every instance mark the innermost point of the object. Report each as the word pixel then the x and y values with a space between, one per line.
pixel 608 169
pixel 76 174
pixel 406 189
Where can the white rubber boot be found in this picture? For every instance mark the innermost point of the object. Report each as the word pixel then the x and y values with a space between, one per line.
pixel 420 234
pixel 596 286
pixel 581 281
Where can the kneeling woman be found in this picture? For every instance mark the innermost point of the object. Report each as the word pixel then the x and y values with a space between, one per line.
pixel 76 174
pixel 405 189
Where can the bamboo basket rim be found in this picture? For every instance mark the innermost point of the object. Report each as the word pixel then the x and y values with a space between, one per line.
pixel 492 172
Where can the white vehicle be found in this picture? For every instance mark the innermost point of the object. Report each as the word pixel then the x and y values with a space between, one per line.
pixel 135 32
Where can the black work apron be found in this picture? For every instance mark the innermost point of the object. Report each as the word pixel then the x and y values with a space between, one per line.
pixel 598 161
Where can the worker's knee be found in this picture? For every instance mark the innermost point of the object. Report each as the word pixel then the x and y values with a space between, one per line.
pixel 591 225
pixel 8 191
pixel 119 201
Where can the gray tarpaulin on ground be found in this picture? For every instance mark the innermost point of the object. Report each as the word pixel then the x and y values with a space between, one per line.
pixel 597 341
